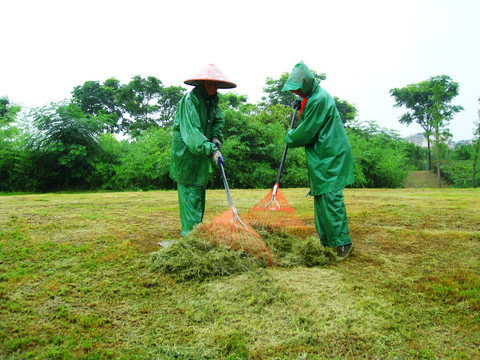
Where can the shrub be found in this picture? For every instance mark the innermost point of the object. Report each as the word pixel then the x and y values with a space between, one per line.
pixel 459 173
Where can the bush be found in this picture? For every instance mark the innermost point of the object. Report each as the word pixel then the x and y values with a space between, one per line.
pixel 459 173
pixel 144 164
pixel 380 157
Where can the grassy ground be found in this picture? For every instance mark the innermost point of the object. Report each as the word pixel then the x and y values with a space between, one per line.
pixel 76 282
pixel 423 179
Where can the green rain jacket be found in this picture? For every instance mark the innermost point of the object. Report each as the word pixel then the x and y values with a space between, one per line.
pixel 321 131
pixel 197 120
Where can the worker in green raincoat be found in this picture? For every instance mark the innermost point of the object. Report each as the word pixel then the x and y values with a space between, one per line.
pixel 329 157
pixel 197 140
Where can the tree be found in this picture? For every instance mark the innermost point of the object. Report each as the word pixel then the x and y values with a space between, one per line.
pixel 444 90
pixel 9 151
pixel 147 103
pixel 476 135
pixel 429 105
pixel 67 133
pixel 232 100
pixel 8 112
pixel 97 99
pixel 130 108
pixel 347 111
pixel 276 97
pixel 168 104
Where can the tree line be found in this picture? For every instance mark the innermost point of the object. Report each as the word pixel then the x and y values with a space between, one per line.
pixel 112 136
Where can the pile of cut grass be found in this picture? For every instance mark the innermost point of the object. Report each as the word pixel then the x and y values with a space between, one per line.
pixel 194 258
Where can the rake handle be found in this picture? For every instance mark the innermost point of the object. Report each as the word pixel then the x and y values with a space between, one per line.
pixel 296 106
pixel 230 201
pixel 225 183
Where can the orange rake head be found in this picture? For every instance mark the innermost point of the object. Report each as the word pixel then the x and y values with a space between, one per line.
pixel 274 213
pixel 228 229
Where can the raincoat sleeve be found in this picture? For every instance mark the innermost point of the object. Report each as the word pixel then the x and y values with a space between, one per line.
pixel 313 118
pixel 191 130
pixel 217 125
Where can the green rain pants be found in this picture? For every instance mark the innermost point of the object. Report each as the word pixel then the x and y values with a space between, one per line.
pixel 192 206
pixel 331 219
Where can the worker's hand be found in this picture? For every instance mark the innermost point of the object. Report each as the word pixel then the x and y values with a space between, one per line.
pixel 217 142
pixel 218 157
pixel 297 104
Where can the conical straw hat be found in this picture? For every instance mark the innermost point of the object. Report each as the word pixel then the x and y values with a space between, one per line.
pixel 211 73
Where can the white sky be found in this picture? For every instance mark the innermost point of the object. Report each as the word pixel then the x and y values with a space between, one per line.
pixel 365 47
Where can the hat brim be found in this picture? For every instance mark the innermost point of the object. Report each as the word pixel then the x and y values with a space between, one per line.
pixel 221 84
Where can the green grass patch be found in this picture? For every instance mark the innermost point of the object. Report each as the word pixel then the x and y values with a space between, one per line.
pixel 423 179
pixel 454 286
pixel 82 277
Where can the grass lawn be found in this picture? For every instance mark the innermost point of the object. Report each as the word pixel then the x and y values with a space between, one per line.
pixel 423 179
pixel 76 282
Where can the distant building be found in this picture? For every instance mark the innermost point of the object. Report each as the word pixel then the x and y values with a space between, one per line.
pixel 420 140
pixel 463 142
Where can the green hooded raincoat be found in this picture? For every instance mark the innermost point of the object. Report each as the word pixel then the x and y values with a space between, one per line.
pixel 321 132
pixel 197 120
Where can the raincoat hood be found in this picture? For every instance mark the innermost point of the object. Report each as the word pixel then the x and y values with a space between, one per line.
pixel 301 78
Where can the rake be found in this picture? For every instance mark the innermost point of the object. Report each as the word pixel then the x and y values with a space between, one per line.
pixel 228 229
pixel 273 212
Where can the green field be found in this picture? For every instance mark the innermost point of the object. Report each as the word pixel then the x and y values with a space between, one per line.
pixel 76 282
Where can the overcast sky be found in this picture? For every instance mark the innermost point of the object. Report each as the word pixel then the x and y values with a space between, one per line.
pixel 365 47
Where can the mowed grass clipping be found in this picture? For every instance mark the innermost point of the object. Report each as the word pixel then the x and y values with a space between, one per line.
pixel 80 279
pixel 195 258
